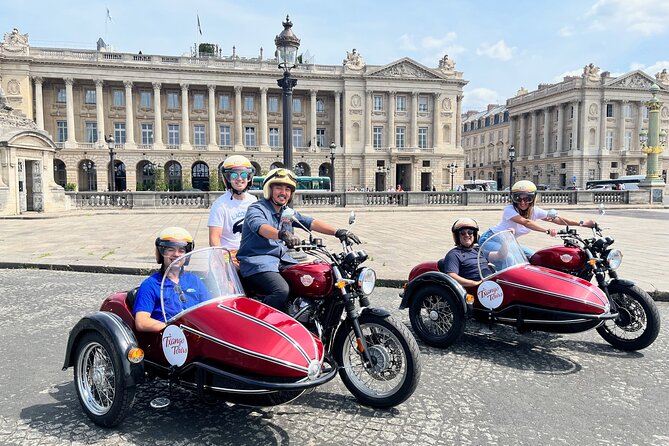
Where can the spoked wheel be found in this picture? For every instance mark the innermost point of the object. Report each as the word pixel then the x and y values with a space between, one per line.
pixel 100 381
pixel 638 323
pixel 437 316
pixel 395 369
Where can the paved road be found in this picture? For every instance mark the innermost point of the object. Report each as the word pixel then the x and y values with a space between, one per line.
pixel 504 388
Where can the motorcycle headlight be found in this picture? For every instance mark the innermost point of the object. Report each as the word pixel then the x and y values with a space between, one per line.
pixel 614 258
pixel 366 280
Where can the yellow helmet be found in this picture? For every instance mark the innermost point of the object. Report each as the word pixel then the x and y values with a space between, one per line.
pixel 240 165
pixel 173 236
pixel 278 176
pixel 523 187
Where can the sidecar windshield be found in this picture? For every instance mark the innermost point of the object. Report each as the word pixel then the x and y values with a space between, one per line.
pixel 196 278
pixel 501 251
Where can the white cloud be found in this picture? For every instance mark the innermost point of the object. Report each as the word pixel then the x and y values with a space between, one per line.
pixel 407 43
pixel 437 42
pixel 647 17
pixel 566 31
pixel 651 70
pixel 560 77
pixel 479 98
pixel 497 50
pixel 430 48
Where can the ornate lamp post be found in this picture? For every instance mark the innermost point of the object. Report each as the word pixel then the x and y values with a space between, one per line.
pixel 287 45
pixel 333 149
pixel 452 168
pixel 653 140
pixel 512 158
pixel 109 139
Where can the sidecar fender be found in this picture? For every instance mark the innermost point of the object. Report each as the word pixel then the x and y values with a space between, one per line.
pixel 433 277
pixel 116 332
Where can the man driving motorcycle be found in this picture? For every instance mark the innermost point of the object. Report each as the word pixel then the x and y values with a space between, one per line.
pixel 260 254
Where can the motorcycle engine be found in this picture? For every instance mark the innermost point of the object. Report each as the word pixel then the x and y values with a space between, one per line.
pixel 301 309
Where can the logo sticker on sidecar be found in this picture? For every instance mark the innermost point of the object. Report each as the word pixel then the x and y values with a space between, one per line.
pixel 175 346
pixel 490 294
pixel 306 280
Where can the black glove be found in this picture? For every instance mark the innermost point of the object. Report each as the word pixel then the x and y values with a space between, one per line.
pixel 290 239
pixel 347 236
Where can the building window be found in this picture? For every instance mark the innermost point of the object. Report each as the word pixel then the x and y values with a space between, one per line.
pixel 298 137
pixel 249 103
pixel 628 140
pixel 609 140
pixel 422 137
pixel 320 137
pixel 422 104
pixel 119 132
pixel 377 137
pixel 147 133
pixel 173 136
pixel 273 104
pixel 481 139
pixel 627 111
pixel 487 121
pixel 320 105
pixel 426 163
pixel 274 137
pixel 609 110
pixel 496 119
pixel 119 98
pixel 62 131
pixel 199 138
pixel 145 99
pixel 571 140
pixel 224 135
pixel 378 103
pixel 61 96
pixel 172 100
pixel 644 113
pixel 400 137
pixel 249 136
pixel 91 132
pixel 401 103
pixel 198 101
pixel 224 102
pixel 89 97
pixel 297 105
pixel 571 112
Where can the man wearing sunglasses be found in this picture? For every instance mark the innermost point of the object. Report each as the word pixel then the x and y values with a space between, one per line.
pixel 227 213
pixel 266 239
pixel 462 262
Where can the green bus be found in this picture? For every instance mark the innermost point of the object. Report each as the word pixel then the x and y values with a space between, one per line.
pixel 303 183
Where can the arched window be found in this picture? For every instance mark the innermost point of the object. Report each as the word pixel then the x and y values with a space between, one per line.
pixel 200 172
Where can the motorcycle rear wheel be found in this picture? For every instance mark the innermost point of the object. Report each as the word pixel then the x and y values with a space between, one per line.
pixel 638 325
pixel 396 365
pixel 437 316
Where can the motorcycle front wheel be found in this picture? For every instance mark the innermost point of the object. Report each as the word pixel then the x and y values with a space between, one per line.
pixel 395 369
pixel 638 323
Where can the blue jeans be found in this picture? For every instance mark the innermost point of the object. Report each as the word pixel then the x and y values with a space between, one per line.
pixel 494 246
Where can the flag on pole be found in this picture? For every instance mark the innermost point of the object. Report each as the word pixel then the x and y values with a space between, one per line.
pixel 199 28
pixel 109 17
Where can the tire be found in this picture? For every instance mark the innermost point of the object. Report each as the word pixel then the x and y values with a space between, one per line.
pixel 437 315
pixel 638 323
pixel 100 381
pixel 396 368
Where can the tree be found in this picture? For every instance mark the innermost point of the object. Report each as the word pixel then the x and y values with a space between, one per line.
pixel 161 183
pixel 187 183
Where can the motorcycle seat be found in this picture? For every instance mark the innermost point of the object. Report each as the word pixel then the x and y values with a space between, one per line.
pixel 440 265
pixel 130 299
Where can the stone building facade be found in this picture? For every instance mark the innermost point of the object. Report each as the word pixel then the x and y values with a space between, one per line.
pixel 393 124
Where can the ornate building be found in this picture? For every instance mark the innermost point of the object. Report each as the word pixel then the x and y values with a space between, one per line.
pixel 584 128
pixel 392 124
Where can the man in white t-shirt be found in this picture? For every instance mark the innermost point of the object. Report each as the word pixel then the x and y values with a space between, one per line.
pixel 228 211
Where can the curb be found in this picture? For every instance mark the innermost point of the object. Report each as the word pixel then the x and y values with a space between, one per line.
pixel 656 295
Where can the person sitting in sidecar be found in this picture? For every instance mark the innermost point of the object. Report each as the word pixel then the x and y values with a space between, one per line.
pixel 181 289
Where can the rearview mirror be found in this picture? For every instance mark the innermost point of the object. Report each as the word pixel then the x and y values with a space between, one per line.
pixel 351 218
pixel 287 215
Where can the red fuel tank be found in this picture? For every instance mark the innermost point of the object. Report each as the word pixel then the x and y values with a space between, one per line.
pixel 310 280
pixel 561 258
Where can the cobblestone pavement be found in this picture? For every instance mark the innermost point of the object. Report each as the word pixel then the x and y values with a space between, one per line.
pixel 498 389
pixel 396 239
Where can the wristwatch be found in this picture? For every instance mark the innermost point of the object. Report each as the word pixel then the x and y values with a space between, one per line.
pixel 580 223
pixel 548 231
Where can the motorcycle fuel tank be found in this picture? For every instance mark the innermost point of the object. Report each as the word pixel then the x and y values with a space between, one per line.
pixel 561 258
pixel 310 280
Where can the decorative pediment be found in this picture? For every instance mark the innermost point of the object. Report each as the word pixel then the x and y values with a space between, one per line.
pixel 637 80
pixel 405 68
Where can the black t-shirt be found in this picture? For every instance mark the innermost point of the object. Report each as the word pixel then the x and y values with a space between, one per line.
pixel 462 261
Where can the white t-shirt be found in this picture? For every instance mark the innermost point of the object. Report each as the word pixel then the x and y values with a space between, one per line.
pixel 507 223
pixel 228 213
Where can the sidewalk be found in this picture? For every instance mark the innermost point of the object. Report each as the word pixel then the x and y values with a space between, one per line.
pixel 396 239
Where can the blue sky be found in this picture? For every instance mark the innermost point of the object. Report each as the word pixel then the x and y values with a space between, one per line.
pixel 500 46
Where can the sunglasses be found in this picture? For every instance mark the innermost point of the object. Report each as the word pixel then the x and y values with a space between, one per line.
pixel 466 232
pixel 180 292
pixel 236 175
pixel 524 200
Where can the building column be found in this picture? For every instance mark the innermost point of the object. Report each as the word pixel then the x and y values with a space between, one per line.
pixel 129 117
pixel 264 137
pixel 69 111
pixel 212 117
pixel 185 119
pixel 100 110
pixel 39 103
pixel 547 131
pixel 560 127
pixel 414 119
pixel 574 127
pixel 391 119
pixel 522 137
pixel 435 122
pixel 639 125
pixel 312 118
pixel 337 118
pixel 534 133
pixel 602 126
pixel 368 119
pixel 239 146
pixel 157 118
pixel 458 123
pixel 512 131
pixel 621 127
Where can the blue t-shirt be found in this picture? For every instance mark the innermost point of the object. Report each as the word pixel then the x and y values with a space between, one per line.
pixel 190 291
pixel 258 254
pixel 463 262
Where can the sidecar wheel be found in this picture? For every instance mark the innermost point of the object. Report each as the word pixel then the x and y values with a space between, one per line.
pixel 100 381
pixel 639 322
pixel 396 367
pixel 437 316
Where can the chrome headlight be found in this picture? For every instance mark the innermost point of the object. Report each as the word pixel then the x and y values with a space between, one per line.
pixel 614 258
pixel 366 280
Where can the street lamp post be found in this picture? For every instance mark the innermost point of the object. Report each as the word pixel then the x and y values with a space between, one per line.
pixel 653 140
pixel 287 45
pixel 512 158
pixel 109 139
pixel 333 149
pixel 452 168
